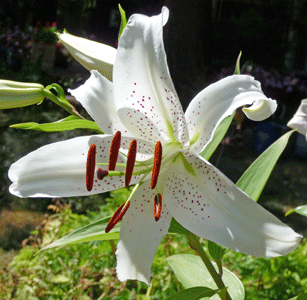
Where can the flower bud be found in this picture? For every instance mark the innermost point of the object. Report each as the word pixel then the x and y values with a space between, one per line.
pixel 90 54
pixel 18 94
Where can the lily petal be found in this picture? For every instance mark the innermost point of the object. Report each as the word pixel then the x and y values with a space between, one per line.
pixel 299 120
pixel 96 96
pixel 59 169
pixel 221 99
pixel 140 236
pixel 208 204
pixel 142 81
pixel 90 54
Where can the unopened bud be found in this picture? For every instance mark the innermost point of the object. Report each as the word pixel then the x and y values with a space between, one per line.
pixel 18 94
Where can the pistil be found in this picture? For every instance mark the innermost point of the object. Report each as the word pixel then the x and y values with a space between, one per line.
pixel 156 165
pixel 90 167
pixel 130 162
pixel 114 150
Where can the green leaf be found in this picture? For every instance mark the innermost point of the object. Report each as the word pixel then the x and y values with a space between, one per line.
pixel 123 22
pixel 91 232
pixel 302 210
pixel 175 227
pixel 193 293
pixel 218 136
pixel 237 68
pixel 300 297
pixel 69 123
pixel 191 272
pixel 255 177
pixel 216 251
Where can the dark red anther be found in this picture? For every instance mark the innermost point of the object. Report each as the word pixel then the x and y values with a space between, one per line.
pixel 156 165
pixel 114 150
pixel 157 206
pixel 118 215
pixel 101 173
pixel 130 162
pixel 90 167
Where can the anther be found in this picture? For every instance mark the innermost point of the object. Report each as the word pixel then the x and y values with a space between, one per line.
pixel 130 162
pixel 101 173
pixel 156 165
pixel 114 150
pixel 90 167
pixel 118 215
pixel 157 207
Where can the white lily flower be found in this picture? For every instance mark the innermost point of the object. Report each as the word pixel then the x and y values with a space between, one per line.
pixel 90 54
pixel 18 94
pixel 173 180
pixel 299 120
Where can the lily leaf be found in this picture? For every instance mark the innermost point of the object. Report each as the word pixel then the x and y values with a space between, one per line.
pixel 91 232
pixel 175 227
pixel 218 136
pixel 123 22
pixel 193 293
pixel 300 297
pixel 69 123
pixel 302 210
pixel 191 272
pixel 216 251
pixel 255 177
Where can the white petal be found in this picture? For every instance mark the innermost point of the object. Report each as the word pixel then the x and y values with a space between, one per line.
pixel 96 96
pixel 213 207
pixel 219 100
pixel 140 236
pixel 59 169
pixel 90 54
pixel 299 120
pixel 142 81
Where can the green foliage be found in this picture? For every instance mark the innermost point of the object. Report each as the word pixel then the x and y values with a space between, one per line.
pixel 69 123
pixel 302 210
pixel 253 180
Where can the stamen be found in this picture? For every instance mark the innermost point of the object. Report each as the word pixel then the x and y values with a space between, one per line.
pixel 156 165
pixel 90 167
pixel 157 207
pixel 114 150
pixel 117 216
pixel 130 162
pixel 101 173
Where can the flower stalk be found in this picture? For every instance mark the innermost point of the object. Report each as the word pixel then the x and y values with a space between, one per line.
pixel 195 245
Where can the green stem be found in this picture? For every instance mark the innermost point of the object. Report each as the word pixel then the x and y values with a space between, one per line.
pixel 195 244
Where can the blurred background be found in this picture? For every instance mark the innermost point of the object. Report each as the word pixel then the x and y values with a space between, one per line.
pixel 202 41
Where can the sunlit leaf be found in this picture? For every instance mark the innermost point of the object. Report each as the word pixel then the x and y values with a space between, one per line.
pixel 255 177
pixel 191 272
pixel 69 123
pixel 91 232
pixel 123 22
pixel 302 210
pixel 237 68
pixel 193 293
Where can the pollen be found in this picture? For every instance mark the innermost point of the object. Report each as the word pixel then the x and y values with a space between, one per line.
pixel 156 165
pixel 114 150
pixel 157 206
pixel 130 162
pixel 118 215
pixel 101 173
pixel 90 167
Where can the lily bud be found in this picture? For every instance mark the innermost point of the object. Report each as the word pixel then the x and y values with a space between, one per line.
pixel 299 120
pixel 18 94
pixel 90 54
